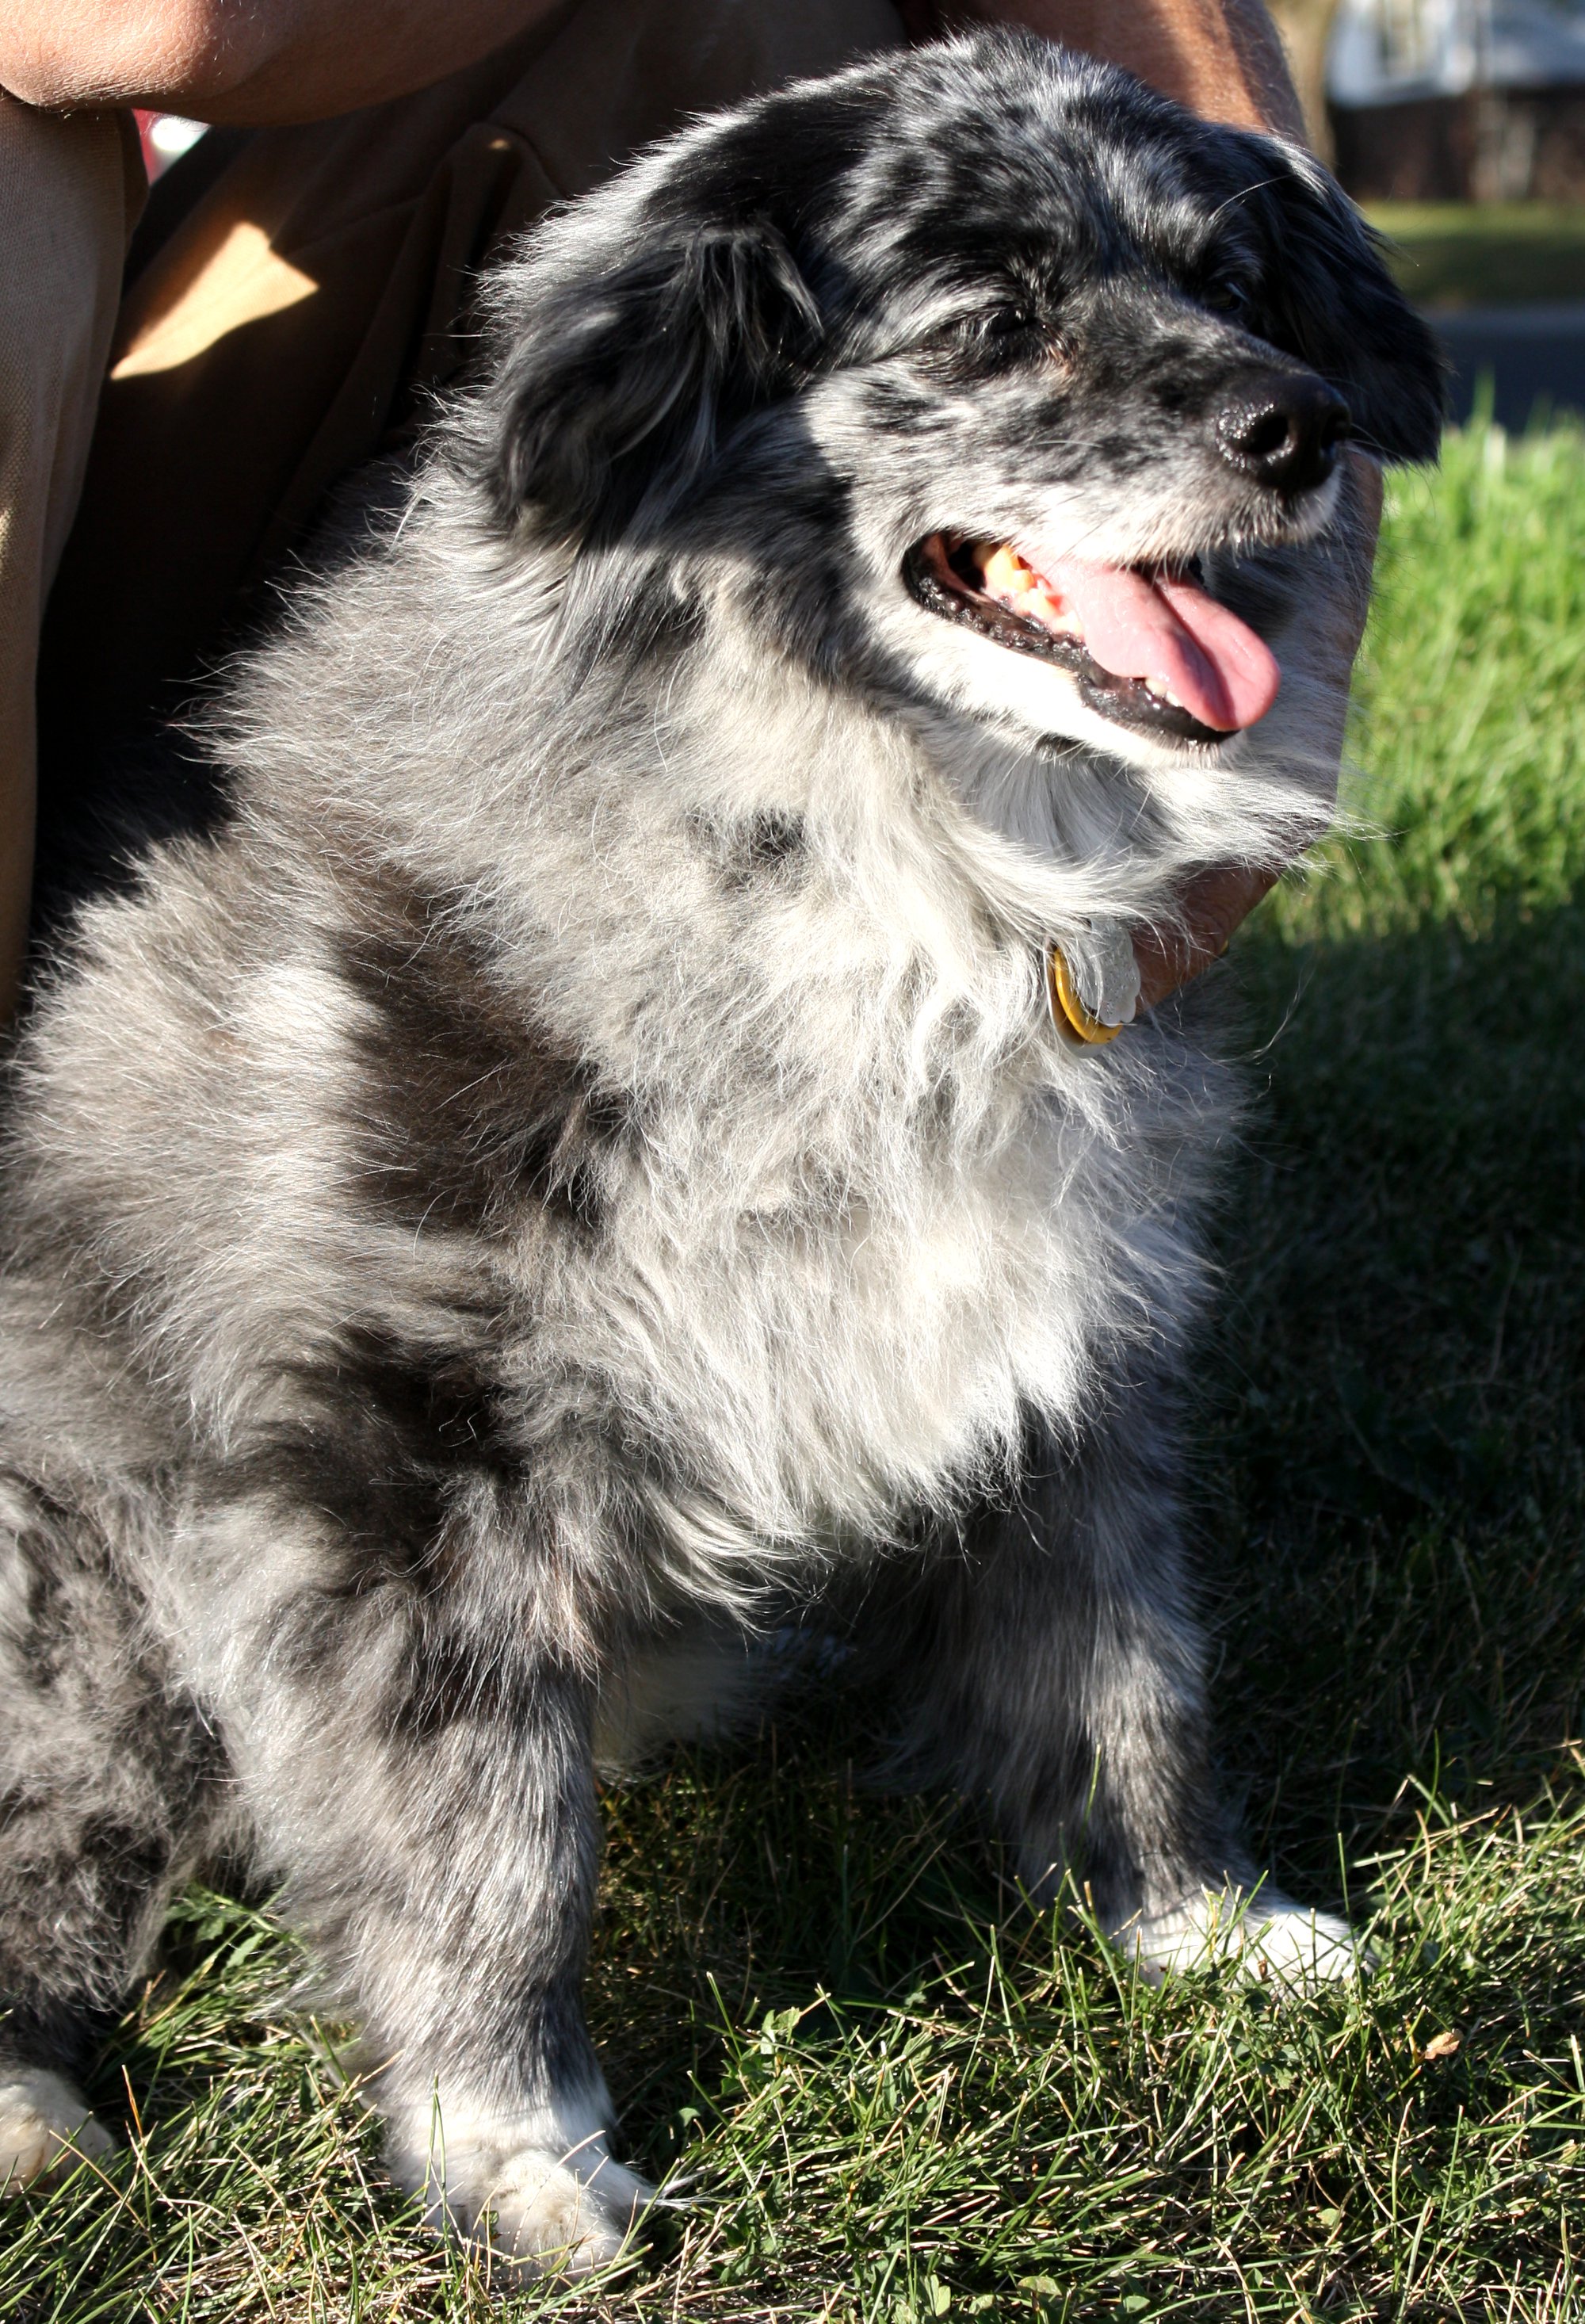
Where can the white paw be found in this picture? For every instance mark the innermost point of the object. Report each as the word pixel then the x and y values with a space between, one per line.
pixel 549 2214
pixel 1266 1932
pixel 1292 1946
pixel 45 2127
pixel 540 2193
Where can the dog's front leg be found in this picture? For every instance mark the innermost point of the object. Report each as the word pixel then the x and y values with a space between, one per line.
pixel 1060 1669
pixel 420 1772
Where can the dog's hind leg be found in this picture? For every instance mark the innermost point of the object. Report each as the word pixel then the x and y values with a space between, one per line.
pixel 1058 1670
pixel 107 1785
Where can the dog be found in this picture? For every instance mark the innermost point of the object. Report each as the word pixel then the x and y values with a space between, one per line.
pixel 621 1130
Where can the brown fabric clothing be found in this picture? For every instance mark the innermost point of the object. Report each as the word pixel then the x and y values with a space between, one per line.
pixel 294 323
pixel 70 188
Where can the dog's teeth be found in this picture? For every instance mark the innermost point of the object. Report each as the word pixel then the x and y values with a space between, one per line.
pixel 1010 581
pixel 1003 573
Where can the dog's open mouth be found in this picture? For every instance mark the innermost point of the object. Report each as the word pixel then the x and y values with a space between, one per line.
pixel 1149 647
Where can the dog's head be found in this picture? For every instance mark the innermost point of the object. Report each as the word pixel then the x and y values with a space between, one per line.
pixel 951 370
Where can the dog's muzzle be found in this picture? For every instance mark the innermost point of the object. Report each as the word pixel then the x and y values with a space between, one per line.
pixel 1147 646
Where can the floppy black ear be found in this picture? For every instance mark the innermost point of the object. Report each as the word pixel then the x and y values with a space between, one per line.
pixel 1338 308
pixel 622 371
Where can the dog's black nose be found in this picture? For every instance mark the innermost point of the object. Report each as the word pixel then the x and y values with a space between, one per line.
pixel 1284 428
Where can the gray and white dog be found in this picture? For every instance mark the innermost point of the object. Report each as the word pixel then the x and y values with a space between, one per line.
pixel 585 1154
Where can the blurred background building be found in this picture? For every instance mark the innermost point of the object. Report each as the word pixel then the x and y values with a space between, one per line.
pixel 1458 100
pixel 1459 126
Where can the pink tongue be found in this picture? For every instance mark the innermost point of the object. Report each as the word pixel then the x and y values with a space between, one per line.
pixel 1171 633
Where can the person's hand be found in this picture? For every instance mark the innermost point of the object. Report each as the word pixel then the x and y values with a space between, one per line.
pixel 252 62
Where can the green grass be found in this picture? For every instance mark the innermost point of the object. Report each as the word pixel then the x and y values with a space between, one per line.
pixel 894 2108
pixel 1484 253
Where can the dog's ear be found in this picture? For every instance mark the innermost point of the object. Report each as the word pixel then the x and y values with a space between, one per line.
pixel 1336 306
pixel 619 379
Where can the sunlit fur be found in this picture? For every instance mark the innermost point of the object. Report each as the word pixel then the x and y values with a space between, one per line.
pixel 583 1155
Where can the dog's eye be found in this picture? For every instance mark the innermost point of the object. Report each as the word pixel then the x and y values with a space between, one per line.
pixel 1007 334
pixel 1225 297
pixel 989 339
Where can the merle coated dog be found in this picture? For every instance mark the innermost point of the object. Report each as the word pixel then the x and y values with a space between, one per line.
pixel 585 1155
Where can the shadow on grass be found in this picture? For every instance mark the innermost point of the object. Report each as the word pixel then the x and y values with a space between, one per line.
pixel 1397 1422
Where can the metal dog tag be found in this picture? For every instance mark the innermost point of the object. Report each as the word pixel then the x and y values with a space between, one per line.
pixel 1113 995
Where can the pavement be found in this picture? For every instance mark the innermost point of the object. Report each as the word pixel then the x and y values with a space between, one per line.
pixel 1533 354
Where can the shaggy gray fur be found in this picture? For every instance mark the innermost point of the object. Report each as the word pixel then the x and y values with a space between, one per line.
pixel 586 1149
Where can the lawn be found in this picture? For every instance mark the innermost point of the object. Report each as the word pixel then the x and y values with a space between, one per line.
pixel 889 2106
pixel 1486 254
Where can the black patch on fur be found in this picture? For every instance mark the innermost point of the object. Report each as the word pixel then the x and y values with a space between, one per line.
pixel 61 2034
pixel 758 849
pixel 442 1405
pixel 1330 299
pixel 772 839
pixel 609 409
pixel 390 1432
pixel 620 407
pixel 466 1114
pixel 445 1677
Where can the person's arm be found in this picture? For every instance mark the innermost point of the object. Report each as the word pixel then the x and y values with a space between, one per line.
pixel 1222 58
pixel 247 61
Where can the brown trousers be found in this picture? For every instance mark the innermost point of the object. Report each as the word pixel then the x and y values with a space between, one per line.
pixel 69 192
pixel 295 321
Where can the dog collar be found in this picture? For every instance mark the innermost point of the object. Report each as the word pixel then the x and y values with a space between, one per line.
pixel 1116 974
